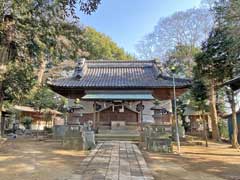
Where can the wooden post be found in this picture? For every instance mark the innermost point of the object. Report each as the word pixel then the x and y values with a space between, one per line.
pixel 138 120
pixel 94 114
pixel 98 119
pixel 141 117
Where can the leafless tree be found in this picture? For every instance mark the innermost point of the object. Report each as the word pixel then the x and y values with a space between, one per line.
pixel 189 27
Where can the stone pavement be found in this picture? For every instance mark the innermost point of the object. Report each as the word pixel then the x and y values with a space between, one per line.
pixel 113 160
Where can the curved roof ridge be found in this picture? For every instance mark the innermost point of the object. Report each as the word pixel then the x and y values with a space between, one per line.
pixel 119 61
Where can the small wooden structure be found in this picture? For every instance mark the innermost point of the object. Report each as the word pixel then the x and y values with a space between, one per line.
pixel 195 119
pixel 39 117
pixel 235 85
pixel 230 126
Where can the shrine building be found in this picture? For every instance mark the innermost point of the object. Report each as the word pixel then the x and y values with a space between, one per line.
pixel 118 94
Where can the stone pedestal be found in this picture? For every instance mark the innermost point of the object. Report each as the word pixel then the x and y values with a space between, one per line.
pixel 88 140
pixel 59 131
pixel 73 140
pixel 78 139
pixel 157 138
pixel 156 144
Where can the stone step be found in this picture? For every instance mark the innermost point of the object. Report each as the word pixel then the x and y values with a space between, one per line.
pixel 118 131
pixel 118 137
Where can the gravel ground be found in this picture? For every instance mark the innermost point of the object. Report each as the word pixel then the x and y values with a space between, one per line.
pixel 28 159
pixel 217 162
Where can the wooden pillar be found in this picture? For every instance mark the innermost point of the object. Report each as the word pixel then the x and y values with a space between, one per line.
pixel 141 116
pixel 94 114
pixel 139 120
pixel 98 119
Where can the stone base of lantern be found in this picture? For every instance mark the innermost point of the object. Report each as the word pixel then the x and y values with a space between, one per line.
pixel 73 140
pixel 158 138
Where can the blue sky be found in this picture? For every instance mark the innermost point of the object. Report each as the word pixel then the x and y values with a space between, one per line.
pixel 127 21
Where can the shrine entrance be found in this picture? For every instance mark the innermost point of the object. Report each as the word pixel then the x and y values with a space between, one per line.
pixel 115 110
pixel 118 117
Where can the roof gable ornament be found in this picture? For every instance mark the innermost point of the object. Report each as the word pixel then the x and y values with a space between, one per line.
pixel 78 72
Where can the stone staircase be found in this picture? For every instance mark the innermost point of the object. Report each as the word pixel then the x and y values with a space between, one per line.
pixel 118 135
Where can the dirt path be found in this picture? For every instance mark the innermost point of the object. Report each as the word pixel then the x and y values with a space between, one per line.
pixel 217 162
pixel 37 160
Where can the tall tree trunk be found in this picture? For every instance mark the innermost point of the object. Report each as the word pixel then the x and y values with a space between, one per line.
pixel 41 71
pixel 205 129
pixel 1 108
pixel 231 99
pixel 8 29
pixel 213 112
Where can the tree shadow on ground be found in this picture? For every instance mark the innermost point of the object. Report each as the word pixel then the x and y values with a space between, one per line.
pixel 31 160
pixel 195 164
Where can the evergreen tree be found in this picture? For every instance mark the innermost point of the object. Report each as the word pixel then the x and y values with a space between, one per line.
pixel 228 19
pixel 218 62
pixel 28 31
pixel 212 66
pixel 200 96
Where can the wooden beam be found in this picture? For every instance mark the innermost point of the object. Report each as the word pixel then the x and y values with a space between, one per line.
pixel 167 93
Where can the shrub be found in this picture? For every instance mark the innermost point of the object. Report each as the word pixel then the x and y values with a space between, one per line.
pixel 27 121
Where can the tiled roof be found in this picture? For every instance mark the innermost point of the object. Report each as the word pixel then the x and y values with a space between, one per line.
pixel 31 109
pixel 118 74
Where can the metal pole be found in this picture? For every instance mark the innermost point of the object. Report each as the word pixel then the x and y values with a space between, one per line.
pixel 175 114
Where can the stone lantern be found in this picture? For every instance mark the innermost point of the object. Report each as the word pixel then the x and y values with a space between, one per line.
pixel 75 112
pixel 161 115
pixel 158 135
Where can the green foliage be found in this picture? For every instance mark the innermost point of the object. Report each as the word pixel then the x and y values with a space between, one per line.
pixel 199 91
pixel 43 98
pixel 27 121
pixel 228 19
pixel 48 130
pixel 30 31
pixel 100 46
pixel 69 41
pixel 18 81
pixel 215 62
pixel 219 59
pixel 87 6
